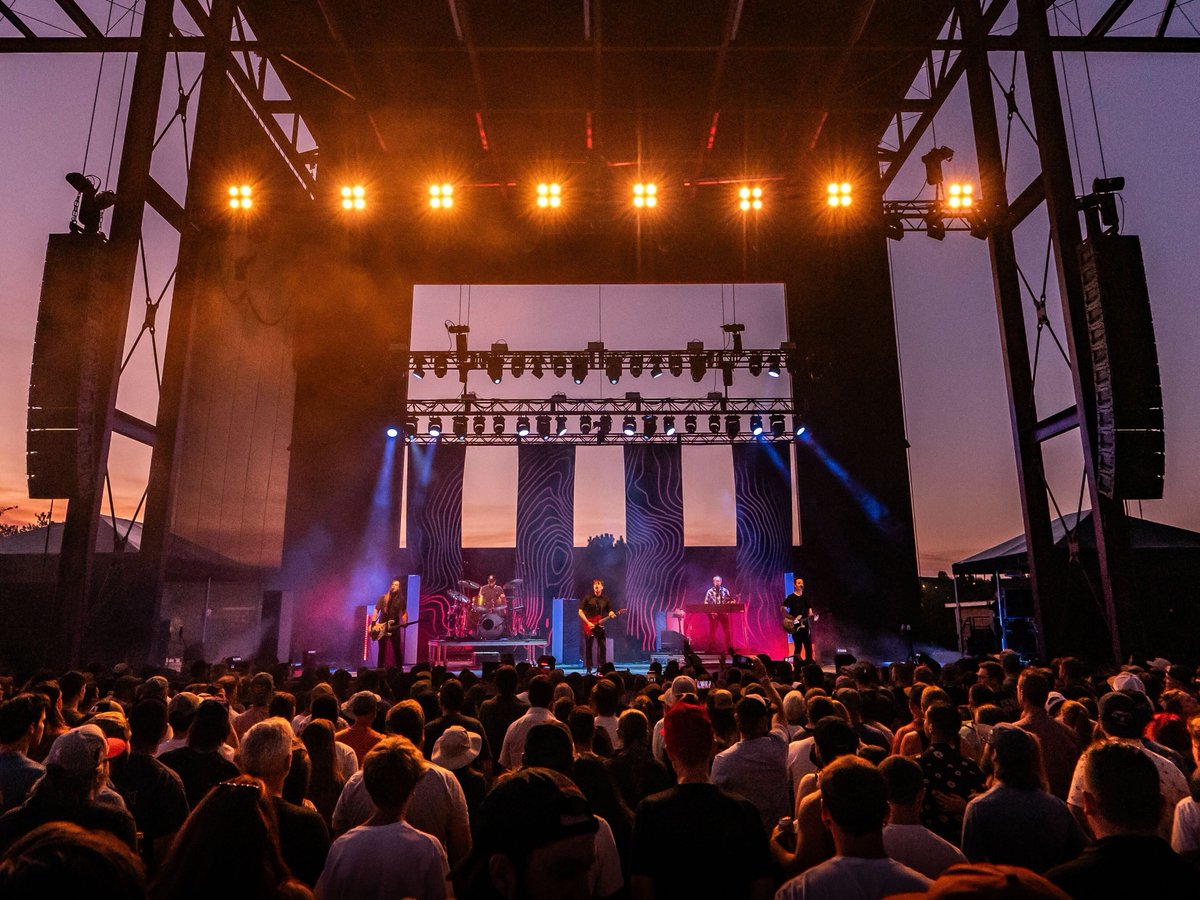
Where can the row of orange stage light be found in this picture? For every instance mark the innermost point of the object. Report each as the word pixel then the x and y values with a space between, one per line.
pixel 644 196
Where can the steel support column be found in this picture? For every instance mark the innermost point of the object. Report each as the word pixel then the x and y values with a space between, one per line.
pixel 210 111
pixel 1031 476
pixel 72 591
pixel 1108 516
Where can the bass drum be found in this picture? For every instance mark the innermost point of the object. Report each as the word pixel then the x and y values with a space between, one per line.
pixel 490 626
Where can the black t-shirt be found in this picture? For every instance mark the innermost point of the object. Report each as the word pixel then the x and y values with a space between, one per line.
pixel 592 606
pixel 303 840
pixel 723 821
pixel 154 794
pixel 797 605
pixel 16 823
pixel 1126 866
pixel 198 771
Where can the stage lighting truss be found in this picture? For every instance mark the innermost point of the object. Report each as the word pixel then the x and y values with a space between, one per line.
pixel 579 421
pixel 957 210
pixel 695 360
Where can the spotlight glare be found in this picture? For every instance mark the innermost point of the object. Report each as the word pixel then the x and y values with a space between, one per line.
pixel 756 425
pixel 393 431
pixel 435 426
pixel 656 367
pixel 629 426
pixel 839 193
pixel 560 424
pixel 773 366
pixel 523 426
pixel 441 196
pixel 549 195
pixel 240 196
pixel 645 195
pixel 669 426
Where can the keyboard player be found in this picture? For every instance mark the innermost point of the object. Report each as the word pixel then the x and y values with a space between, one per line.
pixel 718 594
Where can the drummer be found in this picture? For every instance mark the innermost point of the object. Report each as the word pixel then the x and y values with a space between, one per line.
pixel 491 595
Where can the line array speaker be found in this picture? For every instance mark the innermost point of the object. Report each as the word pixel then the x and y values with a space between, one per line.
pixel 1130 440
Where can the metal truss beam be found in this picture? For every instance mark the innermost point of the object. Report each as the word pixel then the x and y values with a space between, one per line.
pixel 616 436
pixel 545 361
pixel 470 405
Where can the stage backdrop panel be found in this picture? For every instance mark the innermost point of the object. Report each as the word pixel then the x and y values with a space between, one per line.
pixel 762 476
pixel 708 495
pixel 599 493
pixel 654 515
pixel 545 516
pixel 435 492
pixel 489 506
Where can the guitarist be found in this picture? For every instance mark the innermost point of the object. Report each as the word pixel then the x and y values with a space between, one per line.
pixel 594 611
pixel 799 610
pixel 391 615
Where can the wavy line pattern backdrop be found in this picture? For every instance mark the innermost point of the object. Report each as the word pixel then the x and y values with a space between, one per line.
pixel 435 493
pixel 763 488
pixel 654 521
pixel 545 533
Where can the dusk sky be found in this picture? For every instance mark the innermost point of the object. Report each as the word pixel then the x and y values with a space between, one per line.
pixel 963 469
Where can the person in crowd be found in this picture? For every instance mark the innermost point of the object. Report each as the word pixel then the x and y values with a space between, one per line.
pixel 592 777
pixel 1123 803
pixel 756 766
pixel 535 841
pixel 914 725
pixel 386 857
pixel 1120 722
pixel 833 738
pixel 635 771
pixel 1075 716
pixel 258 702
pixel 582 725
pixel 76 771
pixel 795 715
pixel 681 686
pixel 61 859
pixel 497 713
pixel 541 693
pixel 451 697
pixel 455 750
pixel 851 699
pixel 438 806
pixel 698 808
pixel 265 753
pixel 54 724
pixel 361 736
pixel 722 714
pixel 181 712
pixel 952 779
pixel 996 824
pixel 854 807
pixel 325 779
pixel 1059 745
pixel 153 792
pixel 325 708
pixel 200 763
pixel 73 686
pixel 917 742
pixel 801 760
pixel 1185 830
pixel 229 848
pixel 905 839
pixel 605 701
pixel 22 720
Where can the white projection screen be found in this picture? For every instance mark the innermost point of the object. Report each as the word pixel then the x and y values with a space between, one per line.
pixel 624 317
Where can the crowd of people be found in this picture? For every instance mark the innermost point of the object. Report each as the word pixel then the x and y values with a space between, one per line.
pixel 978 778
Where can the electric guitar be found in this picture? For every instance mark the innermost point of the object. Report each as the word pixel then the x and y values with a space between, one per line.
pixel 791 623
pixel 594 622
pixel 386 628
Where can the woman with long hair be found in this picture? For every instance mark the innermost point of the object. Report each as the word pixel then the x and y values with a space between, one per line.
pixel 325 780
pixel 229 848
pixel 55 723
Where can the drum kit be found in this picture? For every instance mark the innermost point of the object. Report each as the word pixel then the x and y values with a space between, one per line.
pixel 472 616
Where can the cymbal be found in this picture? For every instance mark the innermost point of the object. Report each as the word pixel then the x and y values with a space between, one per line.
pixel 514 583
pixel 469 587
pixel 458 597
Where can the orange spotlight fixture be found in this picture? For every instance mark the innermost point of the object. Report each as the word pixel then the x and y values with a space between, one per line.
pixel 354 197
pixel 441 196
pixel 838 193
pixel 549 195
pixel 240 196
pixel 750 198
pixel 645 195
pixel 960 196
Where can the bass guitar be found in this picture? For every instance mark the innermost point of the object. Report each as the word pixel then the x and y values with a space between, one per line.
pixel 594 622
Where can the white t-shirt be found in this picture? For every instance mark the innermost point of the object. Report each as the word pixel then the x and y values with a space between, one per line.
pixel 1171 784
pixel 514 739
pixel 379 862
pixel 799 763
pixel 609 724
pixel 606 877
pixel 1185 833
pixel 347 759
pixel 438 807
pixel 920 849
pixel 853 878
